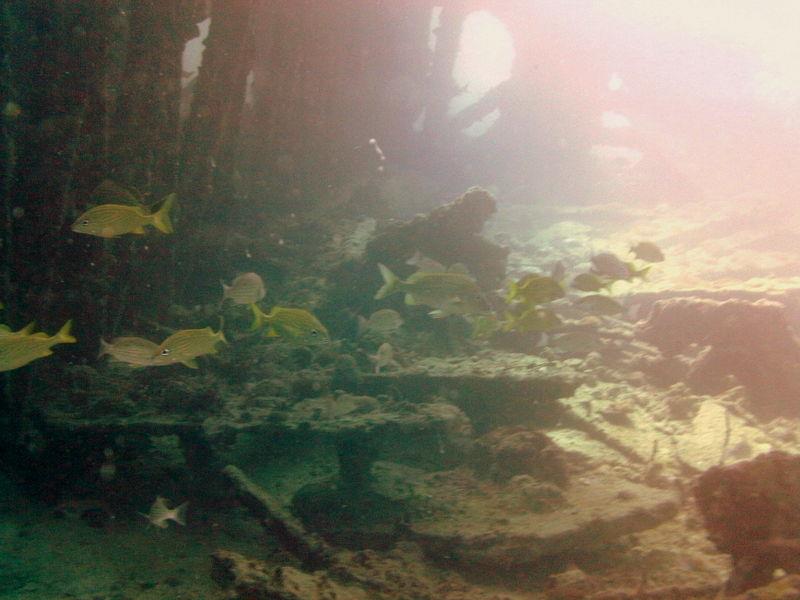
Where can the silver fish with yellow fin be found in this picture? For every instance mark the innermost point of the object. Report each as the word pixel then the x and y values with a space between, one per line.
pixel 187 344
pixel 247 288
pixel 112 220
pixel 292 324
pixel 384 357
pixel 160 513
pixel 448 293
pixel 20 348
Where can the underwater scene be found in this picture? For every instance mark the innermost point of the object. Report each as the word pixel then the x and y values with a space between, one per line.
pixel 399 300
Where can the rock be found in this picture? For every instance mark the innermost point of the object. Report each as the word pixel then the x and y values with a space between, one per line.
pixel 255 580
pixel 449 234
pixel 749 343
pixel 752 512
pixel 510 451
pixel 785 588
pixel 484 529
pixel 503 388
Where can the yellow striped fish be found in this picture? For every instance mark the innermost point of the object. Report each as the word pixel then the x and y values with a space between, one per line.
pixel 18 349
pixel 135 351
pixel 27 330
pixel 112 220
pixel 247 288
pixel 292 324
pixel 187 344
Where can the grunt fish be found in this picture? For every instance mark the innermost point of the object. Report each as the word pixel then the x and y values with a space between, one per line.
pixel 609 265
pixel 135 351
pixel 648 252
pixel 20 348
pixel 448 293
pixel 383 322
pixel 535 289
pixel 112 220
pixel 27 330
pixel 589 282
pixel 247 288
pixel 187 344
pixel 292 324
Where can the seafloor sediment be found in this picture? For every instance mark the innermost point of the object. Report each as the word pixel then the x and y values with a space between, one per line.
pixel 477 473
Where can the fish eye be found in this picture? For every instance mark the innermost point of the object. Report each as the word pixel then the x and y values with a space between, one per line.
pixel 165 352
pixel 85 222
pixel 314 332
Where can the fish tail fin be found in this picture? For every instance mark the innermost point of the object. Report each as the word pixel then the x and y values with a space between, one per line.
pixel 161 219
pixel 104 346
pixel 390 282
pixel 179 514
pixel 64 335
pixel 258 317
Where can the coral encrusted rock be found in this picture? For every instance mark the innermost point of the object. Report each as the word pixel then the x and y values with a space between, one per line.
pixel 752 512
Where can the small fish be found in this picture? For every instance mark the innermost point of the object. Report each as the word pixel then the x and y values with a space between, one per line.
pixel 535 289
pixel 112 220
pixel 589 282
pixel 609 265
pixel 247 288
pixel 648 252
pixel 448 293
pixel 19 349
pixel 384 357
pixel 159 513
pixel 533 319
pixel 423 263
pixel 383 322
pixel 187 344
pixel 135 351
pixel 600 304
pixel 292 324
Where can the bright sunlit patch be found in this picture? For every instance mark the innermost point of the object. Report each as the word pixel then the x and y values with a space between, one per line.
pixel 621 156
pixel 193 52
pixel 436 17
pixel 481 126
pixel 485 58
pixel 767 30
pixel 611 120
pixel 615 82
